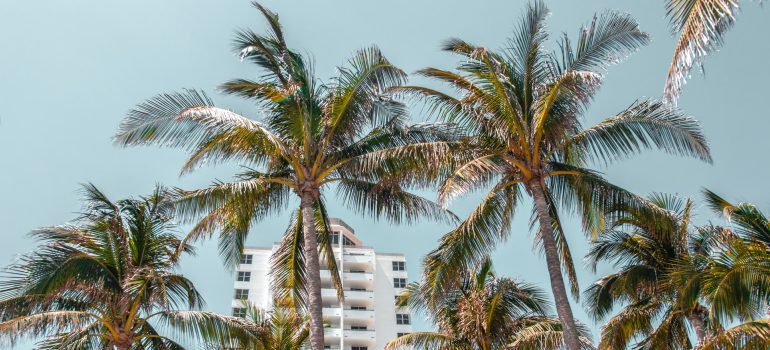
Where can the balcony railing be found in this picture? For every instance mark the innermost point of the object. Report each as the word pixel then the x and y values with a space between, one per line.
pixel 349 276
pixel 356 334
pixel 331 311
pixel 349 294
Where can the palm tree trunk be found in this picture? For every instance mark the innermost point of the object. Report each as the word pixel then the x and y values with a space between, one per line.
pixel 563 308
pixel 312 268
pixel 123 342
pixel 697 319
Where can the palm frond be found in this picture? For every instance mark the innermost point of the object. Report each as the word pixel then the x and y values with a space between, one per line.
pixel 642 125
pixel 701 25
pixel 748 335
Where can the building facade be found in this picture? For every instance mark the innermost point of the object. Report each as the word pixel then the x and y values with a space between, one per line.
pixel 371 282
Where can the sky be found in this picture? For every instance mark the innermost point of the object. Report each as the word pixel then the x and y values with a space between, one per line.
pixel 69 71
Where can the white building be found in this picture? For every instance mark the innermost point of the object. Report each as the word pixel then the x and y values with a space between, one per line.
pixel 371 281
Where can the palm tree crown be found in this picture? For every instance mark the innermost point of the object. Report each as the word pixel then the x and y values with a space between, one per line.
pixel 674 274
pixel 521 109
pixel 282 328
pixel 648 244
pixel 107 281
pixel 484 312
pixel 349 132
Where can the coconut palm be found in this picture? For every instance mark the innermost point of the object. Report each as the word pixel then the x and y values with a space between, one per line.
pixel 522 108
pixel 646 244
pixel 701 25
pixel 349 132
pixel 108 281
pixel 282 328
pixel 673 274
pixel 485 312
pixel 735 279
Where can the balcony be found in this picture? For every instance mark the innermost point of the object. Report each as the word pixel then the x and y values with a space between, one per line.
pixel 359 314
pixel 349 276
pixel 355 295
pixel 332 332
pixel 359 335
pixel 359 258
pixel 368 334
pixel 350 314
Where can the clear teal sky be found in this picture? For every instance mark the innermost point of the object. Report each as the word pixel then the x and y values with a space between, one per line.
pixel 69 70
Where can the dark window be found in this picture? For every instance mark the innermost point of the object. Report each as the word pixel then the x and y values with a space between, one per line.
pixel 241 294
pixel 357 271
pixel 402 318
pixel 358 348
pixel 356 289
pixel 399 282
pixel 246 259
pixel 356 307
pixel 244 276
pixel 335 238
pixel 239 312
pixel 399 334
pixel 399 266
pixel 358 328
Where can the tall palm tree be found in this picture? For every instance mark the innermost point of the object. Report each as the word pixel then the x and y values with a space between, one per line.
pixel 701 25
pixel 349 132
pixel 647 245
pixel 108 281
pixel 483 312
pixel 282 328
pixel 522 110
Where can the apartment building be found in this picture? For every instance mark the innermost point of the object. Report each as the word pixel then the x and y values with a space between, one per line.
pixel 371 281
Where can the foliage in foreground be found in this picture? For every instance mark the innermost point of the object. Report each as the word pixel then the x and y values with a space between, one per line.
pixel 108 281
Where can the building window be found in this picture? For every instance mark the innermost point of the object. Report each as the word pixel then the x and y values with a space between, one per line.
pixel 356 289
pixel 399 334
pixel 335 238
pixel 358 348
pixel 358 307
pixel 402 318
pixel 239 312
pixel 246 259
pixel 242 294
pixel 244 276
pixel 358 328
pixel 399 282
pixel 399 266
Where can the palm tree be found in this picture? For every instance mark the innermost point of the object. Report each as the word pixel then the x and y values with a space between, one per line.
pixel 521 109
pixel 483 312
pixel 735 279
pixel 282 328
pixel 673 274
pixel 701 25
pixel 349 132
pixel 107 281
pixel 647 245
